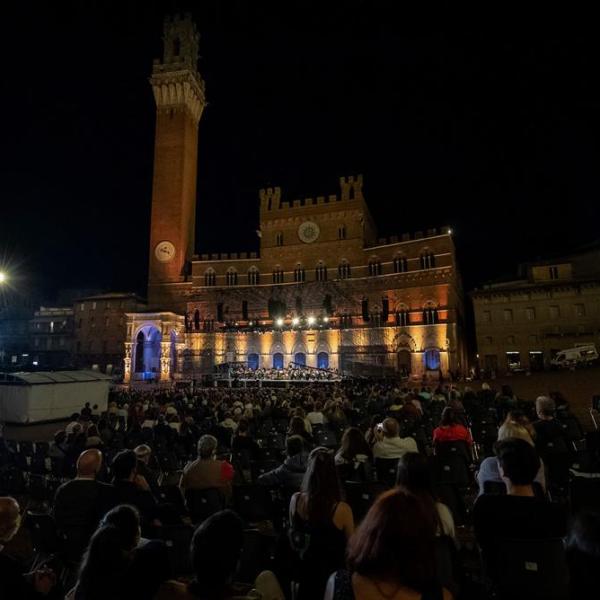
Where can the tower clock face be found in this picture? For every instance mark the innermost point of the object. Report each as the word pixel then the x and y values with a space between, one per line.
pixel 164 251
pixel 308 232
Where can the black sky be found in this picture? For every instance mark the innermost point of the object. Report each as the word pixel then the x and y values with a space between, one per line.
pixel 495 132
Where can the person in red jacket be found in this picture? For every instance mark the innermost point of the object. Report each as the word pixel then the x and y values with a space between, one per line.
pixel 450 429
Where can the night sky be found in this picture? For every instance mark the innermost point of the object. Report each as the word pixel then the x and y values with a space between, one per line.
pixel 496 134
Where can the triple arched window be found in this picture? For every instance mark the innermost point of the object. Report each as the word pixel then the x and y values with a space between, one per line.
pixel 253 276
pixel 344 270
pixel 400 264
pixel 427 260
pixel 299 274
pixel 277 275
pixel 210 277
pixel 231 277
pixel 321 272
pixel 374 267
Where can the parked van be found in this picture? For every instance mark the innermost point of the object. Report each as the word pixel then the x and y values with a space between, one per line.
pixel 571 357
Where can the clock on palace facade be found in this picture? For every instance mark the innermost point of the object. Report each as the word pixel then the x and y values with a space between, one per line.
pixel 164 251
pixel 308 232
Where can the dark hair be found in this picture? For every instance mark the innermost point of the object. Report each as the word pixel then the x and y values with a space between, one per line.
pixel 123 464
pixel 353 443
pixel 297 426
pixel 448 417
pixel 320 486
pixel 243 426
pixel 518 459
pixel 395 541
pixel 108 556
pixel 294 445
pixel 216 548
pixel 415 474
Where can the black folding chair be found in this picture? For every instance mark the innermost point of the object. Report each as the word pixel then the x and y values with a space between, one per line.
pixel 360 496
pixel 44 536
pixel 178 538
pixel 326 438
pixel 201 504
pixel 386 469
pixel 253 502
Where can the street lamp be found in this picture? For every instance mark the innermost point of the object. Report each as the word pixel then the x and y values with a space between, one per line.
pixel 3 277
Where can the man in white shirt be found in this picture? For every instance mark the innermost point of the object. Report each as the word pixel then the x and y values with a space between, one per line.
pixel 389 444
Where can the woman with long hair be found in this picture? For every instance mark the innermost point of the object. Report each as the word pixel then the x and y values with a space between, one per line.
pixel 354 458
pixel 298 427
pixel 392 554
pixel 320 525
pixel 451 429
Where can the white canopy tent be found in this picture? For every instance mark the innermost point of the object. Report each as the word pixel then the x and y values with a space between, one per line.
pixel 50 395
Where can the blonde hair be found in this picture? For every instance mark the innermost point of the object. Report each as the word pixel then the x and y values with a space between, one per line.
pixel 510 429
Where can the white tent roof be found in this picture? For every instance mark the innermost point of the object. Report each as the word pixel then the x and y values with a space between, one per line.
pixel 48 377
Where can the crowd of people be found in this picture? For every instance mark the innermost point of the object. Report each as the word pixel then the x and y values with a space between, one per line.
pixel 362 490
pixel 290 373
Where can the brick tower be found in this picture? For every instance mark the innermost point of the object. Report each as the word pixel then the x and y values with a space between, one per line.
pixel 179 94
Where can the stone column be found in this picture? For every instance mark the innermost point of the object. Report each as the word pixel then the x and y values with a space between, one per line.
pixel 165 361
pixel 127 363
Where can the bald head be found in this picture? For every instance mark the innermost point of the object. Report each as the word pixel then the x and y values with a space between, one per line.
pixel 10 518
pixel 89 463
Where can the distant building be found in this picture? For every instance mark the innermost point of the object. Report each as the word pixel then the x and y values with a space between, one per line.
pixel 16 311
pixel 51 337
pixel 553 305
pixel 99 323
pixel 324 290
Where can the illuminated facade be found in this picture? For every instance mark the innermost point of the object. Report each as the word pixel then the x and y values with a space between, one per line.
pixel 323 290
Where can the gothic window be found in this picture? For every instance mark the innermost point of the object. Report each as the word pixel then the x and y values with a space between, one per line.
pixel 342 232
pixel 299 274
pixel 400 264
pixel 430 315
pixel 279 239
pixel 253 276
pixel 402 317
pixel 232 277
pixel 321 272
pixel 277 275
pixel 210 277
pixel 344 270
pixel 374 267
pixel 427 260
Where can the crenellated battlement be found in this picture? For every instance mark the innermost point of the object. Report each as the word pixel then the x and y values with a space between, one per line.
pixel 350 190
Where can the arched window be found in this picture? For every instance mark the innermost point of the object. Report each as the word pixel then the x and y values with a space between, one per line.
pixel 197 320
pixel 321 272
pixel 139 352
pixel 278 360
pixel 432 359
pixel 253 361
pixel 210 277
pixel 279 238
pixel 342 232
pixel 374 267
pixel 344 270
pixel 430 315
pixel 400 264
pixel 232 276
pixel 253 276
pixel 300 358
pixel 323 360
pixel 402 317
pixel 277 275
pixel 299 273
pixel 427 260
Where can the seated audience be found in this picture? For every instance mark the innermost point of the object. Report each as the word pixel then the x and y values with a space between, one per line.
pixel 519 514
pixel 320 525
pixel 291 472
pixel 391 556
pixel 80 503
pixel 298 427
pixel 414 474
pixel 451 429
pixel 14 583
pixel 206 471
pixel 216 551
pixel 243 442
pixel 489 469
pixel 143 453
pixel 315 416
pixel 354 458
pixel 389 444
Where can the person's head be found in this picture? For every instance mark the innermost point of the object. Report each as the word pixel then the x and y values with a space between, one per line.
pixel 10 518
pixel 485 387
pixel 87 405
pixel 353 443
pixel 124 466
pixel 294 445
pixel 448 417
pixel 89 463
pixel 318 406
pixel 395 541
pixel 216 548
pixel 207 446
pixel 390 428
pixel 297 426
pixel 92 431
pixel 545 407
pixel 414 474
pixel 518 460
pixel 510 429
pixel 143 453
pixel 109 554
pixel 243 427
pixel 320 485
